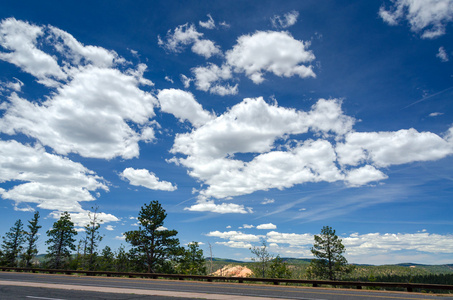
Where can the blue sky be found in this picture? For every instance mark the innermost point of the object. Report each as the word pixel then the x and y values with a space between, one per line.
pixel 248 122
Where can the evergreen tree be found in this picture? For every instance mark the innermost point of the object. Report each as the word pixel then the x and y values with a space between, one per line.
pixel 192 261
pixel 262 257
pixel 107 259
pixel 61 241
pixel 12 244
pixel 121 260
pixel 328 250
pixel 278 269
pixel 93 238
pixel 152 244
pixel 31 239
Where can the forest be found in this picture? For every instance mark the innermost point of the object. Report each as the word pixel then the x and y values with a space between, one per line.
pixel 155 249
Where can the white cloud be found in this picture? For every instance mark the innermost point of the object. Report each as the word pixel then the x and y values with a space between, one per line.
pixel 183 106
pixel 267 201
pixel 383 149
pixel 253 126
pixel 79 54
pixel 209 79
pixel 185 35
pixel 186 81
pixel 82 218
pixel 121 237
pixel 50 181
pixel 223 208
pixel 209 24
pixel 167 78
pixel 110 227
pixel 376 243
pixel 442 54
pixel 266 226
pixel 288 19
pixel 87 80
pixel 233 244
pixel 428 17
pixel 236 236
pixel 206 48
pixel 293 239
pixel 145 178
pixel 271 51
pixel 70 121
pixel 364 175
pixel 247 226
pixel 20 39
pixel 435 114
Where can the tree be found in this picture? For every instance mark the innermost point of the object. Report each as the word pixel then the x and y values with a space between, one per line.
pixel 12 244
pixel 328 250
pixel 192 261
pixel 107 259
pixel 31 237
pixel 92 239
pixel 262 258
pixel 278 269
pixel 61 241
pixel 121 260
pixel 152 244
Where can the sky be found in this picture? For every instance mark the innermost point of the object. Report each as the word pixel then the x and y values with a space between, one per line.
pixel 248 121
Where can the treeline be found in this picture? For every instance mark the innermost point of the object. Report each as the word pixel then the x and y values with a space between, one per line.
pixel 154 248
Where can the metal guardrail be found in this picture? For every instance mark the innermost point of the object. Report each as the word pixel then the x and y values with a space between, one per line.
pixel 315 283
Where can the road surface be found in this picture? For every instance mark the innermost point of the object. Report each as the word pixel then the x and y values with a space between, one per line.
pixel 63 287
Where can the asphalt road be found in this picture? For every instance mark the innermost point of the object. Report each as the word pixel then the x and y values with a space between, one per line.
pixel 62 287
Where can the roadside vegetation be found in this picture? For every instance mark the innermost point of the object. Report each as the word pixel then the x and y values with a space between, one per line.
pixel 155 249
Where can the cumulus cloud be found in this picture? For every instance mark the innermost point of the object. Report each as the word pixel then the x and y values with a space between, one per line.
pixel 442 54
pixel 376 243
pixel 383 149
pixel 209 78
pixel 183 106
pixel 223 208
pixel 185 35
pixel 50 181
pixel 288 19
pixel 145 178
pixel 266 226
pixel 253 126
pixel 270 51
pixel 429 17
pixel 337 153
pixel 209 24
pixel 95 98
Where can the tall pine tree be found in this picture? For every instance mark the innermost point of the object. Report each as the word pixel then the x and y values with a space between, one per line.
pixel 31 237
pixel 152 244
pixel 328 250
pixel 61 241
pixel 93 238
pixel 12 244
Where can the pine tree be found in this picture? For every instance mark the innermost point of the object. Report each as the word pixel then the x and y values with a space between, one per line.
pixel 93 238
pixel 328 250
pixel 192 261
pixel 262 257
pixel 31 239
pixel 152 244
pixel 278 269
pixel 12 244
pixel 61 241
